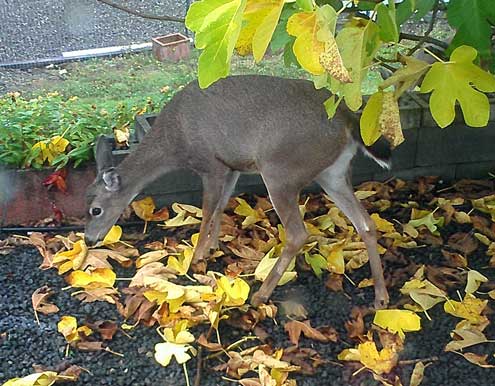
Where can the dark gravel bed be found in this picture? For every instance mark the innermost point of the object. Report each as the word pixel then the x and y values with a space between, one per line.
pixel 24 343
pixel 37 29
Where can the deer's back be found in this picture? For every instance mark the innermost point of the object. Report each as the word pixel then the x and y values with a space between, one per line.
pixel 244 121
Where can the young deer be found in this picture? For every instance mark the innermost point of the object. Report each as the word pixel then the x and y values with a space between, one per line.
pixel 245 124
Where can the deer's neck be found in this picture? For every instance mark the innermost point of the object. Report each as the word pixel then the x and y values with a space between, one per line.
pixel 144 165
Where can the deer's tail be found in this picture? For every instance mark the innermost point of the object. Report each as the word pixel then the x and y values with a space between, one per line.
pixel 380 151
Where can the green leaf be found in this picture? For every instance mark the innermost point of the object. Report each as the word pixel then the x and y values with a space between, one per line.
pixel 358 42
pixel 423 7
pixel 459 80
pixel 429 221
pixel 317 262
pixel 473 20
pixel 305 5
pixel 217 25
pixel 407 76
pixel 389 31
pixel 280 36
pixel 405 10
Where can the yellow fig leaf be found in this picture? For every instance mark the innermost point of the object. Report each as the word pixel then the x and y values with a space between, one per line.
pixel 181 263
pixel 236 291
pixel 459 80
pixel 315 45
pixel 370 119
pixel 332 62
pixel 71 259
pixel 98 278
pixel 260 19
pixel 389 120
pixel 186 215
pixel 470 309
pixel 335 259
pixel 474 280
pixel 252 216
pixel 67 326
pixel 46 378
pixel 217 25
pixel 145 210
pixel 381 224
pixel 398 321
pixel 380 362
pixel 113 235
pixel 266 265
pixel 307 48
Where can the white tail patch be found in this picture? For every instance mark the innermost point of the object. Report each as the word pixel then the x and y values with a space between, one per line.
pixel 384 164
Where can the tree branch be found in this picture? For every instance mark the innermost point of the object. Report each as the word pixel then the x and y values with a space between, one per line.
pixel 428 31
pixel 141 14
pixel 427 39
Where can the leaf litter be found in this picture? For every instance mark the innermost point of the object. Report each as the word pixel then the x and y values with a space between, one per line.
pixel 161 291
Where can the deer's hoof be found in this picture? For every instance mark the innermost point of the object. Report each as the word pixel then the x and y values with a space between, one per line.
pixel 381 299
pixel 258 299
pixel 199 266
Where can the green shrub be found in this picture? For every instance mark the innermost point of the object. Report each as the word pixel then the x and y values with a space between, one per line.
pixel 26 122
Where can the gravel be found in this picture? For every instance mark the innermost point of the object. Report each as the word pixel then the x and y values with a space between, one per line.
pixel 37 29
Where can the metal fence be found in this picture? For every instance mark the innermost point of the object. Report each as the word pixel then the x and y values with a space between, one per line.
pixel 37 32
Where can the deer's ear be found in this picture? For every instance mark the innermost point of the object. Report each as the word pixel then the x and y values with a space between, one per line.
pixel 103 154
pixel 111 179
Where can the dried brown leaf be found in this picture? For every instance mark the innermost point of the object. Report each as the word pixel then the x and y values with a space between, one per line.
pixel 40 302
pixel 295 328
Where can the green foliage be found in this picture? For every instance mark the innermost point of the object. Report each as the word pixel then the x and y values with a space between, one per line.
pixel 25 122
pixel 217 25
pixel 473 20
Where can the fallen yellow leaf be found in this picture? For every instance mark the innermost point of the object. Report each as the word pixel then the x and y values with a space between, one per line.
pixel 397 321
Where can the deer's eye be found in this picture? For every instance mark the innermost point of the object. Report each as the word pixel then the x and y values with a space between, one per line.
pixel 95 212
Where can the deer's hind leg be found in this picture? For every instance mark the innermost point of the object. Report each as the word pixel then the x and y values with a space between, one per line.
pixel 284 197
pixel 217 187
pixel 335 181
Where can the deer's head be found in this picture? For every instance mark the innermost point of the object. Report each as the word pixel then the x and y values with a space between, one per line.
pixel 106 197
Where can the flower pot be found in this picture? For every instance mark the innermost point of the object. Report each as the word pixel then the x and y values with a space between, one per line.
pixel 173 47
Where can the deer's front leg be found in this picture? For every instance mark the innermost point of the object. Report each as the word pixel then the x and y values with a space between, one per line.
pixel 284 200
pixel 217 187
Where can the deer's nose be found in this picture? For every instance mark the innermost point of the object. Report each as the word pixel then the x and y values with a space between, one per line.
pixel 90 241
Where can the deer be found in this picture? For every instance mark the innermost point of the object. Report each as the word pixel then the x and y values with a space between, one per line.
pixel 273 126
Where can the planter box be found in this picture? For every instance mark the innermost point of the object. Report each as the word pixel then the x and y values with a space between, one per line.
pixel 30 201
pixel 174 47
